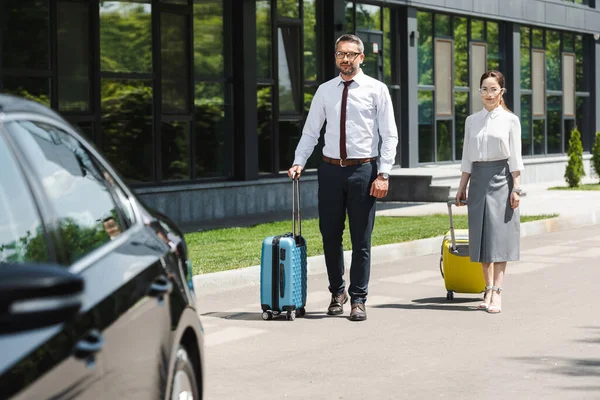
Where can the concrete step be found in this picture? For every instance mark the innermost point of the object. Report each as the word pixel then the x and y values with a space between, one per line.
pixel 415 188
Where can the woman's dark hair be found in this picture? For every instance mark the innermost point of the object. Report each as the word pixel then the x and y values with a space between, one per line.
pixel 500 78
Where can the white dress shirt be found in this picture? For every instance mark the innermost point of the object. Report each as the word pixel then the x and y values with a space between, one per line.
pixel 491 136
pixel 369 114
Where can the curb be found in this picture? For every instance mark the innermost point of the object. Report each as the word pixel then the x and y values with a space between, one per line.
pixel 250 276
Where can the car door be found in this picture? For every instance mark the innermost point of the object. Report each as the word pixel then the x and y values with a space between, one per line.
pixel 57 361
pixel 121 260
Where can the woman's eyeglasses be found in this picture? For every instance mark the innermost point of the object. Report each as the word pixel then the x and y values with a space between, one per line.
pixel 340 55
pixel 492 91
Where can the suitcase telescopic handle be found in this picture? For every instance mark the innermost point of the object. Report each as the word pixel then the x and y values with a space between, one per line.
pixel 296 208
pixel 452 235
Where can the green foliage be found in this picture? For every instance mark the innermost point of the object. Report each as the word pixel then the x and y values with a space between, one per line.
pixel 574 171
pixel 596 154
pixel 79 239
pixel 211 251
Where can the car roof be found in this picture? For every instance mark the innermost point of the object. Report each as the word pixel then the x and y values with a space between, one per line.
pixel 13 104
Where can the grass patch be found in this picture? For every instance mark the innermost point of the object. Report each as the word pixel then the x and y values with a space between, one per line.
pixel 233 248
pixel 589 186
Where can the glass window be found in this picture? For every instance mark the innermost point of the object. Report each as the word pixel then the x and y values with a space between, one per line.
pixel 579 82
pixel 208 38
pixel 554 124
pixel 461 52
pixel 127 127
pixel 175 146
pixel 568 41
pixel 425 51
pixel 174 63
pixel 26 25
pixel 288 8
pixel 444 141
pixel 443 77
pixel 264 98
pixel 36 89
pixel 538 38
pixel 493 48
pixel 580 118
pixel 368 17
pixel 73 56
pixel 310 40
pixel 211 107
pixel 539 134
pixel 538 69
pixel 315 158
pixel 290 84
pixel 22 237
pixel 125 36
pixel 525 59
pixel 553 59
pixel 477 29
pixel 263 39
pixel 74 185
pixel 349 16
pixel 461 110
pixel 289 135
pixel 425 126
pixel 387 45
pixel 443 25
pixel 526 143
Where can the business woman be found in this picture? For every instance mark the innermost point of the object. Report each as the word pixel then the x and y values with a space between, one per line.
pixel 492 163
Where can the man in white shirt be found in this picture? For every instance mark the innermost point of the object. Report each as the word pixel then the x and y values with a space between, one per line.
pixel 354 172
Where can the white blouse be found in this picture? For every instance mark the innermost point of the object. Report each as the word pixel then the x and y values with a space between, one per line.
pixel 490 136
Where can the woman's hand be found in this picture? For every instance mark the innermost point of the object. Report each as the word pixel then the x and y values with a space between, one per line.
pixel 515 199
pixel 461 195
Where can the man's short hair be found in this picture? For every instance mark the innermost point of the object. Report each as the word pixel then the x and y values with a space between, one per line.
pixel 347 37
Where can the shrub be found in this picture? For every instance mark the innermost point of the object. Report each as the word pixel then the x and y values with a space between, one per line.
pixel 596 154
pixel 575 171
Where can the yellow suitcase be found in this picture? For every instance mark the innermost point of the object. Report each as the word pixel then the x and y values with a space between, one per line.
pixel 459 273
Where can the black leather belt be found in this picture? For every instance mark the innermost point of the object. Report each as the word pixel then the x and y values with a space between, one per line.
pixel 345 163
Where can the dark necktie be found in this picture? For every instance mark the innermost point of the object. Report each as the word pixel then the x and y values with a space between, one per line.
pixel 343 154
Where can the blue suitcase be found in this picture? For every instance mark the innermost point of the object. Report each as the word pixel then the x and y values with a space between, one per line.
pixel 283 270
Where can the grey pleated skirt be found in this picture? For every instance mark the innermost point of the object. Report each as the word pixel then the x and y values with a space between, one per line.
pixel 494 227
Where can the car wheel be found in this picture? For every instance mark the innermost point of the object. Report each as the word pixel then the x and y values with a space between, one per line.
pixel 184 386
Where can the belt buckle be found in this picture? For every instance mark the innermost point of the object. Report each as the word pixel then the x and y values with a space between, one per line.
pixel 342 163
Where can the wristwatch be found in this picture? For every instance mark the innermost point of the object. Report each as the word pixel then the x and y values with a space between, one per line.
pixel 384 175
pixel 517 190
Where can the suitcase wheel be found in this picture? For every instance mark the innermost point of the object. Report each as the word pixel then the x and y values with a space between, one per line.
pixel 276 313
pixel 301 312
pixel 291 315
pixel 450 295
pixel 267 315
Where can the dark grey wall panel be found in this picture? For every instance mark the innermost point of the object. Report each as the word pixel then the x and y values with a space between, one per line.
pixel 556 14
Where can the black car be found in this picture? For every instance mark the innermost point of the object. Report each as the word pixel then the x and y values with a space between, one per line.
pixel 96 293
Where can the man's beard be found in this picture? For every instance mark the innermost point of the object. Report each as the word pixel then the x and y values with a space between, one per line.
pixel 352 69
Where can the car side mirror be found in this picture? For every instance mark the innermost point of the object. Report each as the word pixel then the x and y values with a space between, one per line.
pixel 34 296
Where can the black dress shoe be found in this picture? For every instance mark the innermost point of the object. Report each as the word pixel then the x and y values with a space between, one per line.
pixel 336 307
pixel 358 312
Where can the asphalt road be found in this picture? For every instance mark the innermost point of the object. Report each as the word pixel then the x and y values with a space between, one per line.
pixel 416 344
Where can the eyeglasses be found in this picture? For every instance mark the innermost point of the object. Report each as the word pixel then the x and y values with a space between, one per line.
pixel 492 91
pixel 340 55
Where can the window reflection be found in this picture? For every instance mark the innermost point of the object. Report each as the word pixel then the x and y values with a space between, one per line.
pixel 263 39
pixel 425 126
pixel 74 184
pixel 290 85
pixel 21 234
pixel 553 59
pixel 208 38
pixel 36 89
pixel 526 142
pixel 26 23
pixel 264 100
pixel 387 47
pixel 525 59
pixel 175 150
pixel 125 36
pixel 289 135
pixel 310 40
pixel 444 141
pixel 368 17
pixel 477 29
pixel 554 105
pixel 493 48
pixel 461 52
pixel 288 8
pixel 425 51
pixel 461 100
pixel 539 134
pixel 315 158
pixel 127 127
pixel 174 66
pixel 443 25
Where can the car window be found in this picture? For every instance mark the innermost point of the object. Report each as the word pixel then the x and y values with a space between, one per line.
pixel 22 237
pixel 75 185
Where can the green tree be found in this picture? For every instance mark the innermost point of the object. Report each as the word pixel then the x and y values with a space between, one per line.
pixel 596 154
pixel 574 171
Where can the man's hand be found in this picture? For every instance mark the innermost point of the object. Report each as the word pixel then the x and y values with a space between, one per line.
pixel 379 188
pixel 295 172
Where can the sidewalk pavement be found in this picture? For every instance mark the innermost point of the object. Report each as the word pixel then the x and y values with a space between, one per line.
pixel 574 208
